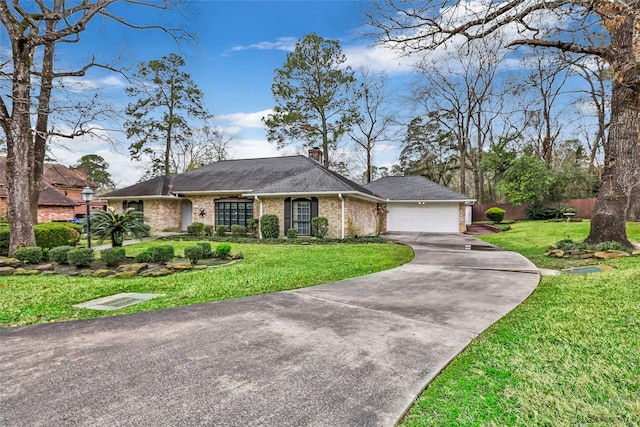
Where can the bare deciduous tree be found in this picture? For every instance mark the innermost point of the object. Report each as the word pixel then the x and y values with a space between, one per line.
pixel 34 28
pixel 564 25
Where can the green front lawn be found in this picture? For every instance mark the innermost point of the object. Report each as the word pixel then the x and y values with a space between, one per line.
pixel 266 268
pixel 567 356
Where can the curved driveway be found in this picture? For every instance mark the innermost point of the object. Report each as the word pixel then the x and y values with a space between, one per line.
pixel 350 353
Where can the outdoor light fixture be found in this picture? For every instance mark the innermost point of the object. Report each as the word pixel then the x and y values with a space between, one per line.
pixel 87 196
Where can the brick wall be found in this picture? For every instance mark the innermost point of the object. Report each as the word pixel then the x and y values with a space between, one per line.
pixel 360 217
pixel 462 218
pixel 161 214
pixel 55 213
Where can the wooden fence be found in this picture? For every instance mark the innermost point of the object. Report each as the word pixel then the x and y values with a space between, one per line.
pixel 584 207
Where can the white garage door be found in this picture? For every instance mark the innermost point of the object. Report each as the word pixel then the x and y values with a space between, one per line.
pixel 429 218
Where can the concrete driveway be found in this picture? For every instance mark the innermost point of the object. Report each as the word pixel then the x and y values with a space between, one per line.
pixel 350 353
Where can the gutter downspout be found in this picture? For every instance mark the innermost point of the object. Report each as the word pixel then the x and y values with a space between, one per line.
pixel 342 218
pixel 259 228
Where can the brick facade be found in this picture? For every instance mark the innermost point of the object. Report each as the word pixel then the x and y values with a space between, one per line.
pixel 55 213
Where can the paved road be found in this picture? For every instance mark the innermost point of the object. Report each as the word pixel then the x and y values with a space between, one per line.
pixel 350 353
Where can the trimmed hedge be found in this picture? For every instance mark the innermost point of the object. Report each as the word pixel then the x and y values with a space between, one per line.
pixel 495 214
pixel 59 254
pixel 82 257
pixel 238 230
pixel 206 249
pixel 163 254
pixel 292 233
pixel 221 230
pixel 48 235
pixel 195 229
pixel 113 257
pixel 223 250
pixel 320 226
pixel 194 253
pixel 270 225
pixel 28 254
pixel 144 257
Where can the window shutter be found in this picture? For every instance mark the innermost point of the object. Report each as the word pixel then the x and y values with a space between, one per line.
pixel 314 210
pixel 287 214
pixel 124 205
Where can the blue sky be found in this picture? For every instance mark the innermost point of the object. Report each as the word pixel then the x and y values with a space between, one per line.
pixel 239 44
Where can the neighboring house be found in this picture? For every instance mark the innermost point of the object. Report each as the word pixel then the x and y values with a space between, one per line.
pixel 295 188
pixel 60 198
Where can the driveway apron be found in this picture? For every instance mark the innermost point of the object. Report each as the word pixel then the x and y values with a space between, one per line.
pixel 350 353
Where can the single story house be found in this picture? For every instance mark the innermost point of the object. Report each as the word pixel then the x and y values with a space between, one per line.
pixel 296 189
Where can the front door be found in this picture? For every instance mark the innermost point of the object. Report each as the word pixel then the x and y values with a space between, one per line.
pixel 186 209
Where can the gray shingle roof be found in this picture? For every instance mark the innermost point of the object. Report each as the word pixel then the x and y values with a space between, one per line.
pixel 274 175
pixel 412 187
pixel 159 186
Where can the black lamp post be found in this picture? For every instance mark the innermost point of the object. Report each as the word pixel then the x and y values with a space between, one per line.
pixel 87 196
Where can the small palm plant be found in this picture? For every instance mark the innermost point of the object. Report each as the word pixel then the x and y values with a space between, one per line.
pixel 118 225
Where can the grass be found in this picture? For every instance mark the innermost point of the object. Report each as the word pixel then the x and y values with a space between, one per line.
pixel 266 268
pixel 532 238
pixel 567 356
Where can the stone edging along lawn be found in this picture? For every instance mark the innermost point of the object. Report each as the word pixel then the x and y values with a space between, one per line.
pixel 14 267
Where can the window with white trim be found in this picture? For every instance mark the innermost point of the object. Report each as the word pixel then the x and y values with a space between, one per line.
pixel 301 210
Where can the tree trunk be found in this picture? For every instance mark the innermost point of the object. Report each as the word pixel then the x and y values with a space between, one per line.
pixel 610 212
pixel 42 123
pixel 20 152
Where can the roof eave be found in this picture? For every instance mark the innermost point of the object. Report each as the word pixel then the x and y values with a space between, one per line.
pixel 472 201
pixel 153 197
pixel 352 193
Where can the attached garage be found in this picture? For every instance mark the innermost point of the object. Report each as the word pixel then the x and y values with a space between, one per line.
pixel 417 204
pixel 423 217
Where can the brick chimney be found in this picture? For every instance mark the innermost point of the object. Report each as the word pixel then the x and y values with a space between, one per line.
pixel 315 153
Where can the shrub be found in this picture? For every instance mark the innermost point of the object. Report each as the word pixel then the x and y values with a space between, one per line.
pixel 53 234
pixel 113 257
pixel 270 226
pixel 223 250
pixel 59 254
pixel 254 226
pixel 80 257
pixel 118 225
pixel 320 226
pixel 145 257
pixel 538 211
pixel 28 254
pixel 208 230
pixel 557 210
pixel 570 245
pixel 194 253
pixel 238 230
pixel 221 230
pixel 195 229
pixel 206 249
pixel 615 246
pixel 495 214
pixel 4 240
pixel 163 254
pixel 292 233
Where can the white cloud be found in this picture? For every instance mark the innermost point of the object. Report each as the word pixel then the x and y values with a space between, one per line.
pixel 252 148
pixel 286 44
pixel 245 120
pixel 378 59
pixel 81 84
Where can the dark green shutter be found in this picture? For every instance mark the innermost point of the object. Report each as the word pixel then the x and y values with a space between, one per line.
pixel 287 214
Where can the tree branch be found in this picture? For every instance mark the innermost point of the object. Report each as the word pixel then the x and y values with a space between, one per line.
pixel 563 46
